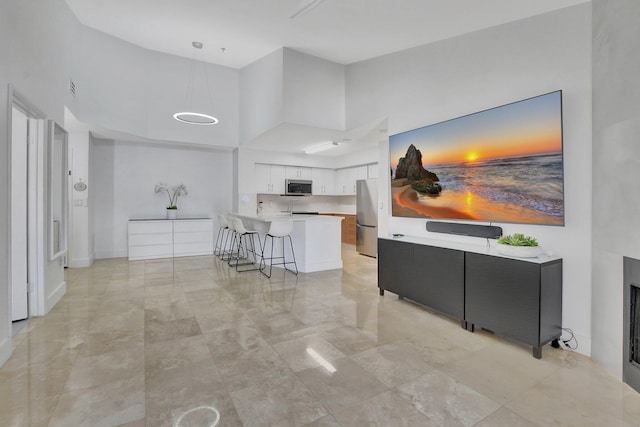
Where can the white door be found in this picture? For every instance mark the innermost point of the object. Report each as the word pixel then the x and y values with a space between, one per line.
pixel 19 135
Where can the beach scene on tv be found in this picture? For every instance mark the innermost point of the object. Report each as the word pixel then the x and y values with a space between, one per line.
pixel 498 165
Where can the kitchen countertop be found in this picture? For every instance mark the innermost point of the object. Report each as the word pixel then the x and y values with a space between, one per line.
pixel 166 219
pixel 297 217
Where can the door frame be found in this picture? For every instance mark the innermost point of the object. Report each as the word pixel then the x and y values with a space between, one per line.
pixel 35 234
pixel 18 192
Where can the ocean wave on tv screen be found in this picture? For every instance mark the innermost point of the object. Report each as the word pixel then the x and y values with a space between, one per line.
pixel 533 182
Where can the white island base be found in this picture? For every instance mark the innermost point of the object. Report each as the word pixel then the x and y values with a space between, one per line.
pixel 316 240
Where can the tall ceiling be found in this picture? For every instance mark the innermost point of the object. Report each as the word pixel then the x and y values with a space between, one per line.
pixel 236 33
pixel 344 31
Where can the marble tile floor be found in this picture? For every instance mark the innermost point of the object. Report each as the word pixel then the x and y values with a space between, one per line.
pixel 188 342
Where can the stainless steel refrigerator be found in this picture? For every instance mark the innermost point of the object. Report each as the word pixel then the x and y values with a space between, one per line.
pixel 367 217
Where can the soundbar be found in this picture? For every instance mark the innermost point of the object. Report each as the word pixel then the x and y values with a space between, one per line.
pixel 474 230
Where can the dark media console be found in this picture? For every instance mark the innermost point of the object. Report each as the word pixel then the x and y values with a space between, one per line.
pixel 520 299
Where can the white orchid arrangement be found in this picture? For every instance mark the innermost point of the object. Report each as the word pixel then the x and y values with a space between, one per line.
pixel 173 193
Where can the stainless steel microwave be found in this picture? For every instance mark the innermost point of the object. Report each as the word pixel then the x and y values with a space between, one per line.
pixel 297 187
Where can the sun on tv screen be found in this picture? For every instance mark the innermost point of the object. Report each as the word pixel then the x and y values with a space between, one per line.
pixel 504 164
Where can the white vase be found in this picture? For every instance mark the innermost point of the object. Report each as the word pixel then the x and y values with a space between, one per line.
pixel 172 213
pixel 518 251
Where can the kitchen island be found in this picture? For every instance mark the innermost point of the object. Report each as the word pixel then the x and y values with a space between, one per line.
pixel 316 239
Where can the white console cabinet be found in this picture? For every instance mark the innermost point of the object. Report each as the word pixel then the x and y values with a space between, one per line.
pixel 166 238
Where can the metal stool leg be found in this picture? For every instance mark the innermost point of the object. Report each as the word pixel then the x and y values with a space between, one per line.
pixel 284 263
pixel 220 239
pixel 278 229
pixel 246 240
pixel 293 255
pixel 234 250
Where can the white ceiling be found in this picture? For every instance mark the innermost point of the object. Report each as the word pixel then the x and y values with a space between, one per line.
pixel 344 31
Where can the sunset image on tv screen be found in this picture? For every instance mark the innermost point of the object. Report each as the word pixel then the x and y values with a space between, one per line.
pixel 499 165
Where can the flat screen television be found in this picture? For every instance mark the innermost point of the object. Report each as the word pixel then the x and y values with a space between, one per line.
pixel 504 164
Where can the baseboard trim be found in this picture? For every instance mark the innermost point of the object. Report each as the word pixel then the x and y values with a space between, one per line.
pixel 584 344
pixel 318 266
pixel 111 254
pixel 80 262
pixel 55 296
pixel 6 349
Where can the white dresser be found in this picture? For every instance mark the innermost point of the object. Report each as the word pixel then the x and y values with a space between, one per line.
pixel 166 238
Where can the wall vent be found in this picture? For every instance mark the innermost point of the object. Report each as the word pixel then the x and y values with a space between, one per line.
pixel 72 88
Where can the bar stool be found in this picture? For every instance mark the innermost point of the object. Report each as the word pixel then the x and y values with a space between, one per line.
pixel 223 232
pixel 245 244
pixel 227 247
pixel 278 230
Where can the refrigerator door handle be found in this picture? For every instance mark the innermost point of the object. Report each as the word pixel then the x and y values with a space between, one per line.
pixel 367 226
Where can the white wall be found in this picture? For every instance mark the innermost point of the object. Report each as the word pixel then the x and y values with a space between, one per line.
pixel 261 95
pixel 492 67
pixel 288 89
pixel 5 170
pixel 126 88
pixel 125 174
pixel 81 230
pixel 616 163
pixel 314 91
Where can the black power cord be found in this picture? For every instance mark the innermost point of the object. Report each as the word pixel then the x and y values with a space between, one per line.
pixel 570 343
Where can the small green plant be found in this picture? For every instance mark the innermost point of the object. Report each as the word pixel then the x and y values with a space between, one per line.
pixel 518 239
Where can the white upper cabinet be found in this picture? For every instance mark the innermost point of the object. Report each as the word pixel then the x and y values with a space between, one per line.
pixel 262 178
pixel 359 172
pixel 346 179
pixel 270 179
pixel 297 172
pixel 323 181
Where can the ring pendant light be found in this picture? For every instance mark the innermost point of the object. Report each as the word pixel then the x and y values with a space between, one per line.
pixel 190 116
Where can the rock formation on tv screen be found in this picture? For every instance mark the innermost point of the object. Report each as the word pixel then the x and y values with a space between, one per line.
pixel 410 169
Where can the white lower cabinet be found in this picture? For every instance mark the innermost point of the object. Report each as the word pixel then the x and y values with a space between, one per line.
pixel 166 238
